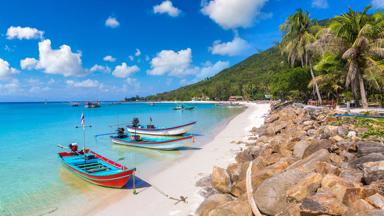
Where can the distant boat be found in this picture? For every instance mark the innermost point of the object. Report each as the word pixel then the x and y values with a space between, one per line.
pixel 116 103
pixel 151 104
pixel 182 107
pixel 96 169
pixel 159 143
pixel 75 104
pixel 92 105
pixel 171 131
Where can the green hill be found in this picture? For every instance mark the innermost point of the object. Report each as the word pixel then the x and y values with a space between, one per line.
pixel 265 73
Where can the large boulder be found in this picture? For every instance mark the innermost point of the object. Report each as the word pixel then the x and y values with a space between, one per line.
pixel 373 171
pixel 368 147
pixel 374 212
pixel 232 208
pixel 221 180
pixel 270 196
pixel 358 163
pixel 212 202
pixel 358 207
pixel 376 200
pixel 305 187
pixel 299 148
pixel 316 145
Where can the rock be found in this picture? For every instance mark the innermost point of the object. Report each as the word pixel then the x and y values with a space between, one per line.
pixel 270 196
pixel 358 163
pixel 204 182
pixel 331 180
pixel 322 203
pixel 309 122
pixel 221 180
pixel 303 188
pixel 211 203
pixel 327 168
pixel 358 207
pixel 248 154
pixel 373 212
pixel 311 132
pixel 342 131
pixel 373 171
pixel 336 159
pixel 234 170
pixel 299 148
pixel 330 130
pixel 232 208
pixel 368 147
pixel 337 138
pixel 376 200
pixel 315 146
pixel 292 210
pixel 352 134
pixel 352 175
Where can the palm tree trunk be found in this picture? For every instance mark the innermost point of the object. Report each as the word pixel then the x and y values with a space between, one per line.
pixel 316 86
pixel 363 93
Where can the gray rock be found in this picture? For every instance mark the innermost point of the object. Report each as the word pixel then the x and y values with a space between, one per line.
pixel 270 196
pixel 358 163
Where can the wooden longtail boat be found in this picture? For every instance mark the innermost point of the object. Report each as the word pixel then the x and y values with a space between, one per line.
pixel 182 107
pixel 160 143
pixel 172 131
pixel 97 169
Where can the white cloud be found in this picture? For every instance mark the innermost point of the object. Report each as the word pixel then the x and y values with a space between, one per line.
pixel 379 4
pixel 166 7
pixel 231 48
pixel 137 53
pixel 55 61
pixel 100 68
pixel 123 70
pixel 6 70
pixel 28 63
pixel 231 14
pixel 209 69
pixel 134 83
pixel 88 83
pixel 24 33
pixel 112 22
pixel 321 4
pixel 37 86
pixel 171 62
pixel 109 58
pixel 11 87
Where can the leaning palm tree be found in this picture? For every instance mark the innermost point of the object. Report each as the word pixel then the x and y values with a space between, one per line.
pixel 363 39
pixel 299 32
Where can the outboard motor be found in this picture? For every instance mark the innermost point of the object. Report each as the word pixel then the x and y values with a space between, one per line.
pixel 73 147
pixel 121 133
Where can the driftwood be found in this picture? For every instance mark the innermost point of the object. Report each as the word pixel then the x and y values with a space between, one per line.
pixel 249 188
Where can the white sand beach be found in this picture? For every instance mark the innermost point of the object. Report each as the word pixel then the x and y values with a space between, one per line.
pixel 180 178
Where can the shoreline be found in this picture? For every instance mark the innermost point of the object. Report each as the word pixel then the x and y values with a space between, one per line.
pixel 217 152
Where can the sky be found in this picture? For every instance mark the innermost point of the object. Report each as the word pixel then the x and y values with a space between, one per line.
pixel 106 50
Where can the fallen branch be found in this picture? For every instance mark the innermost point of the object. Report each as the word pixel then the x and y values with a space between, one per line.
pixel 249 188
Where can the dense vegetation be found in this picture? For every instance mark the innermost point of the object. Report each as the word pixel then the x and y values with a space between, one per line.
pixel 340 58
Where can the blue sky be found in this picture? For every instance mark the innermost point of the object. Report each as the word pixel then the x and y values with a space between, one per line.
pixel 107 50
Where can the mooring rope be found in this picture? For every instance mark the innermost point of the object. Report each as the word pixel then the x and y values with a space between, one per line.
pixel 180 199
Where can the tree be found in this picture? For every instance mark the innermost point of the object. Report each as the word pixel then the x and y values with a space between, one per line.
pixel 362 39
pixel 299 32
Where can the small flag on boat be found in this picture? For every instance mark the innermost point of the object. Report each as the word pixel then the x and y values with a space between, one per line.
pixel 82 119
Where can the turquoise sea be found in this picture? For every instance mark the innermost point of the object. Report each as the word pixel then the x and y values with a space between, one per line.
pixel 32 179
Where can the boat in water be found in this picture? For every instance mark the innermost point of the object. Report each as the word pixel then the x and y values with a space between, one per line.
pixel 75 104
pixel 92 104
pixel 96 169
pixel 159 143
pixel 182 107
pixel 150 129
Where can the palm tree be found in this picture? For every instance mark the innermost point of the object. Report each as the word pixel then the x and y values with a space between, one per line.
pixel 299 32
pixel 363 41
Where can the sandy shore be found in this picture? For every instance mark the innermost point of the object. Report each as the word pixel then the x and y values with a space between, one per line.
pixel 180 178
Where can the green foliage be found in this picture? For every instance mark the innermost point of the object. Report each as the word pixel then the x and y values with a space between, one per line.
pixel 291 84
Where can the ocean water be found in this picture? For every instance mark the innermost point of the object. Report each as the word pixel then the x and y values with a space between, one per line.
pixel 32 179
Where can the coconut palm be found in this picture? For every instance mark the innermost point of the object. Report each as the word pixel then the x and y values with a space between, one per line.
pixel 299 32
pixel 363 41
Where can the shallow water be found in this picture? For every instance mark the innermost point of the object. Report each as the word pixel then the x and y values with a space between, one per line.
pixel 33 182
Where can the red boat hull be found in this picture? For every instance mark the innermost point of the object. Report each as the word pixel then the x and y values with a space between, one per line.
pixel 118 180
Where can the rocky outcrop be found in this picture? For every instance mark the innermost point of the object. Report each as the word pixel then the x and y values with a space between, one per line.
pixel 303 163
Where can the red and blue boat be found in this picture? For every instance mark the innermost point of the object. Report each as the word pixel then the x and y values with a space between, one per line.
pixel 97 169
